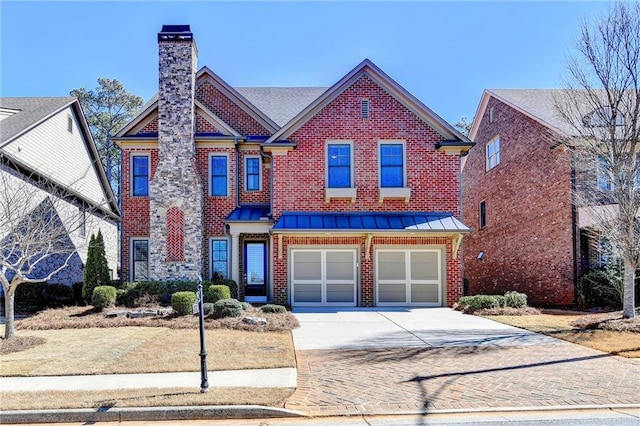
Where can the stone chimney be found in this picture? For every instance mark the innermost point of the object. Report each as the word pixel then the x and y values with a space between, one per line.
pixel 175 189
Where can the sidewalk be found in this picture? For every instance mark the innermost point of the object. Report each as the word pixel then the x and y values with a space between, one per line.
pixel 265 378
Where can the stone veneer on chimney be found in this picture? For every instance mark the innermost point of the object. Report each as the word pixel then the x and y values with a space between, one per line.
pixel 175 191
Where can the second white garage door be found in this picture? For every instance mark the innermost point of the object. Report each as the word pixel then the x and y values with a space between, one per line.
pixel 323 277
pixel 408 277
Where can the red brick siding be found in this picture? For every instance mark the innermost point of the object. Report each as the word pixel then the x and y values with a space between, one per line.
pixel 203 126
pixel 254 197
pixel 135 210
pixel 299 177
pixel 228 112
pixel 151 127
pixel 527 242
pixel 366 290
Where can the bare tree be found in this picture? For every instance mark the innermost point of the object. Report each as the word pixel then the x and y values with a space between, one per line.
pixel 36 220
pixel 601 106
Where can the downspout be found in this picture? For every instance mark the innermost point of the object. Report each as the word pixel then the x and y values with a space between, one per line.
pixel 270 291
pixel 461 249
pixel 270 157
pixel 224 225
pixel 120 231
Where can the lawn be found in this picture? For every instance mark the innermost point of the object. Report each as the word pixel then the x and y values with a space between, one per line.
pixel 604 332
pixel 74 341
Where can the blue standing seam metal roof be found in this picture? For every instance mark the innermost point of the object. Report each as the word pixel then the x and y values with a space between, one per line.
pixel 250 213
pixel 369 221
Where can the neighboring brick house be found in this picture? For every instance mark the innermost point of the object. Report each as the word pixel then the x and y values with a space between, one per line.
pixel 47 153
pixel 531 235
pixel 346 196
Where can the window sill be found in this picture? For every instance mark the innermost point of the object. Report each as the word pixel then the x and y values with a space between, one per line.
pixel 394 193
pixel 340 193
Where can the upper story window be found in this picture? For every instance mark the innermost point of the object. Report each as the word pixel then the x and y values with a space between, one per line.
pixel 603 117
pixel 392 165
pixel 219 175
pixel 482 214
pixel 493 153
pixel 82 222
pixel 605 183
pixel 339 165
pixel 252 174
pixel 140 175
pixel 69 124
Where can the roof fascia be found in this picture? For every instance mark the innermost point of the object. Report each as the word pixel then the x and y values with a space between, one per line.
pixel 482 107
pixel 215 120
pixel 387 83
pixel 205 74
pixel 38 122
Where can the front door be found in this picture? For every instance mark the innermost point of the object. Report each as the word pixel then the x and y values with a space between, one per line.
pixel 255 271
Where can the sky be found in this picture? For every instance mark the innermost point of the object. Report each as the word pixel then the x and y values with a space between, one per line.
pixel 444 53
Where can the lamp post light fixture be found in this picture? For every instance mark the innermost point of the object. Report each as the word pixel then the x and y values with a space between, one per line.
pixel 204 382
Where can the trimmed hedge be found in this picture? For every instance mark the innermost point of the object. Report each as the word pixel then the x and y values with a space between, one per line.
pixel 207 308
pixel 182 302
pixel 103 296
pixel 511 299
pixel 217 292
pixel 227 308
pixel 273 309
pixel 152 292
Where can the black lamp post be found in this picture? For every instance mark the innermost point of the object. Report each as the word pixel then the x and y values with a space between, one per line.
pixel 204 382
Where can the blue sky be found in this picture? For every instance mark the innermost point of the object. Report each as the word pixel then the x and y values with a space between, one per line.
pixel 445 53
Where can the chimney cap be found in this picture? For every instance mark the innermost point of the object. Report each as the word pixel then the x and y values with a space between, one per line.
pixel 175 33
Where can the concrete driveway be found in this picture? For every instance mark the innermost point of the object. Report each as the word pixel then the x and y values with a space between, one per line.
pixel 359 328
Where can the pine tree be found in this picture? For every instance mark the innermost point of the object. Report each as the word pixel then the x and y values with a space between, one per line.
pixel 96 271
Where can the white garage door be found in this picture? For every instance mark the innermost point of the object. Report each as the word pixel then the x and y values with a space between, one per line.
pixel 408 277
pixel 323 277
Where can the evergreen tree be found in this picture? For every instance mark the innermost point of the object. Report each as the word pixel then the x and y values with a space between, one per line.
pixel 96 271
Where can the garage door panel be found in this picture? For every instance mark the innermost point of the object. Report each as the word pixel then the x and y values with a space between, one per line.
pixel 340 293
pixel 391 265
pixel 307 265
pixel 340 266
pixel 425 293
pixel 307 293
pixel 424 266
pixel 392 293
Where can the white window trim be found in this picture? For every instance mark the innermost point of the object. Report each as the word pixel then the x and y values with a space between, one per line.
pixel 401 192
pixel 339 193
pixel 132 261
pixel 211 240
pixel 131 181
pixel 247 157
pixel 492 142
pixel 82 225
pixel 210 171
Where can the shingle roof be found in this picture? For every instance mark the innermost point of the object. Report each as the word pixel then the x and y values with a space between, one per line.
pixel 540 103
pixel 281 104
pixel 369 221
pixel 30 111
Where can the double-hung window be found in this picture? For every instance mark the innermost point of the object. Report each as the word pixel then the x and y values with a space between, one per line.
pixel 219 182
pixel 140 175
pixel 219 258
pixel 252 173
pixel 493 153
pixel 339 168
pixel 140 259
pixel 392 171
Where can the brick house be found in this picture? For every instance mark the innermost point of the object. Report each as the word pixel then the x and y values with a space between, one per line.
pixel 339 196
pixel 520 187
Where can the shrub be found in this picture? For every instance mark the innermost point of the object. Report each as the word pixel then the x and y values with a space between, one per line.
pixel 217 292
pixel 602 287
pixel 77 293
pixel 207 308
pixel 246 306
pixel 142 293
pixel 482 301
pixel 182 302
pixel 513 299
pixel 96 271
pixel 273 309
pixel 103 296
pixel 227 308
pixel 220 280
pixel 58 295
pixel 29 297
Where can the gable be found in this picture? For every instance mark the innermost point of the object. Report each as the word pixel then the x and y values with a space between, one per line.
pixel 61 153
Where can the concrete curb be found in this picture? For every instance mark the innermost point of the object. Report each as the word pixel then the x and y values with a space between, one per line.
pixel 255 412
pixel 87 415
